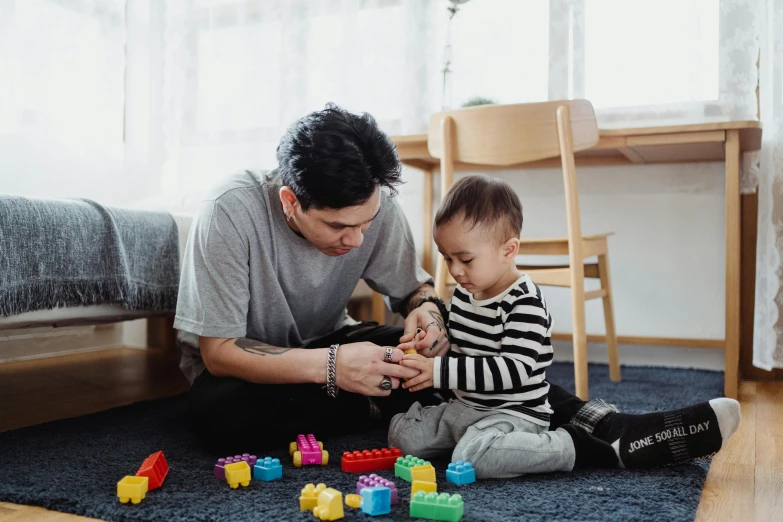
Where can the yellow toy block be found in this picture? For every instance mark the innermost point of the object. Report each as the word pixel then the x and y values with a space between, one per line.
pixel 330 505
pixel 238 473
pixel 424 473
pixel 353 500
pixel 132 489
pixel 309 497
pixel 421 485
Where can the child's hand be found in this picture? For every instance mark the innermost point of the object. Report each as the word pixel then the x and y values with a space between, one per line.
pixel 424 365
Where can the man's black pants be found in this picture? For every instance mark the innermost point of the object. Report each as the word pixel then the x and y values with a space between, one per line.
pixel 231 415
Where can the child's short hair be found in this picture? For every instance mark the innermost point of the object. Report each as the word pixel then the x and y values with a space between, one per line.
pixel 483 201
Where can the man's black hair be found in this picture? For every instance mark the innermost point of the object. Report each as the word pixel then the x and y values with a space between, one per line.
pixel 335 159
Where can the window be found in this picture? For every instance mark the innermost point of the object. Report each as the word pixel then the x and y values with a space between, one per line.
pixel 500 51
pixel 650 53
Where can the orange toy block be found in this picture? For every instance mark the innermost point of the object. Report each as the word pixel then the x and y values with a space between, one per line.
pixel 155 468
pixel 369 460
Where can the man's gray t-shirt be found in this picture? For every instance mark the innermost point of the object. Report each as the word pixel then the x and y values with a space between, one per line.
pixel 247 274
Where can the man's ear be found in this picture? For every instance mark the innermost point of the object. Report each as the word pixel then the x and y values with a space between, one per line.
pixel 510 249
pixel 288 199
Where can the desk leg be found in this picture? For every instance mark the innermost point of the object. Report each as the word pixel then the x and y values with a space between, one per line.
pixel 427 219
pixel 731 377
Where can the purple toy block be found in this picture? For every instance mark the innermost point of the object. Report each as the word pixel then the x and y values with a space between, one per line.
pixel 311 451
pixel 374 480
pixel 247 457
pixel 220 467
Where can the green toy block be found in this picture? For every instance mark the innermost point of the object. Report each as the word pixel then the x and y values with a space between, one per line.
pixel 402 468
pixel 437 507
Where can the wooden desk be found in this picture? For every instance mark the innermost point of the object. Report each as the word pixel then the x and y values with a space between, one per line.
pixel 724 142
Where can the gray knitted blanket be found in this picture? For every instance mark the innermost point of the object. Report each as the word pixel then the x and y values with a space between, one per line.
pixel 71 252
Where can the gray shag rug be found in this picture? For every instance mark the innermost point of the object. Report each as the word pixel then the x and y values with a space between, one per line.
pixel 73 466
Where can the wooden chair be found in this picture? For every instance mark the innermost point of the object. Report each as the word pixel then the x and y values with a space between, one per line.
pixel 505 135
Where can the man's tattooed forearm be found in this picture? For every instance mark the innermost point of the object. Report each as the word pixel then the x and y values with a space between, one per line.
pixel 439 318
pixel 417 299
pixel 259 348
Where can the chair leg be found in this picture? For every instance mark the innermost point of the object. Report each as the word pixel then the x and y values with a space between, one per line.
pixel 440 277
pixel 378 308
pixel 611 335
pixel 579 335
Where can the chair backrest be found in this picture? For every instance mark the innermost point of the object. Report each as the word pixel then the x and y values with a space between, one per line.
pixel 504 135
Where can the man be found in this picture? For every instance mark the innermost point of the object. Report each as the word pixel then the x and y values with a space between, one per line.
pixel 271 262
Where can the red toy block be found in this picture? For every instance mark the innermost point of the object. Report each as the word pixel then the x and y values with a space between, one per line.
pixel 370 460
pixel 155 468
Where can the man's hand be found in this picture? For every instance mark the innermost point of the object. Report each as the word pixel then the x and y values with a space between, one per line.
pixel 425 331
pixel 424 365
pixel 361 368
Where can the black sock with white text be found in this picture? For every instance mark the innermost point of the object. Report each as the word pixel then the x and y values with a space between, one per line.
pixel 670 437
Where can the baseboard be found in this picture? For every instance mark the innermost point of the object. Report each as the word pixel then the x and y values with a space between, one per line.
pixel 37 343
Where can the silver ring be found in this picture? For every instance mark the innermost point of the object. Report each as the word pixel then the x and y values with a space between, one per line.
pixel 436 323
pixel 386 384
pixel 389 353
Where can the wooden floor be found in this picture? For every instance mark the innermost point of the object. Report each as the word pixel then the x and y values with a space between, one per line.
pixel 745 481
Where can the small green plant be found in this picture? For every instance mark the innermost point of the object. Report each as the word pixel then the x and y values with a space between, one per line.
pixel 478 100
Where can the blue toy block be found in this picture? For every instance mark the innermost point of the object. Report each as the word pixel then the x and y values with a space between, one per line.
pixel 376 500
pixel 268 469
pixel 460 473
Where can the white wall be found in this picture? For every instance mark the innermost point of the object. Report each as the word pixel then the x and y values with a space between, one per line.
pixel 667 255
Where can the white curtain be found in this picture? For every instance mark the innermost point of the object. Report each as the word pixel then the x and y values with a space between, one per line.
pixel 62 73
pixel 237 72
pixel 768 329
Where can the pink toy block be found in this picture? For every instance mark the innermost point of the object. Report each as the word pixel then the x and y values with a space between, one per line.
pixel 311 451
pixel 220 466
pixel 374 480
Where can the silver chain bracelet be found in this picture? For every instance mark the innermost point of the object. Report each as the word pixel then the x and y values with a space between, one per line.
pixel 331 371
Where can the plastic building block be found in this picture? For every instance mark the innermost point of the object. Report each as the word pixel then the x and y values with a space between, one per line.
pixel 268 469
pixel 370 460
pixel 437 507
pixel 330 505
pixel 155 468
pixel 238 473
pixel 421 485
pixel 352 500
pixel 374 480
pixel 306 450
pixel 376 501
pixel 132 489
pixel 425 473
pixel 221 463
pixel 309 497
pixel 461 473
pixel 402 468
pixel 220 469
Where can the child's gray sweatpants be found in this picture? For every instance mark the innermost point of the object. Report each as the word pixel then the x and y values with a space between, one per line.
pixel 498 445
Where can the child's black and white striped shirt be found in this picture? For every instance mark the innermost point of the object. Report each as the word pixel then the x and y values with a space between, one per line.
pixel 500 348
